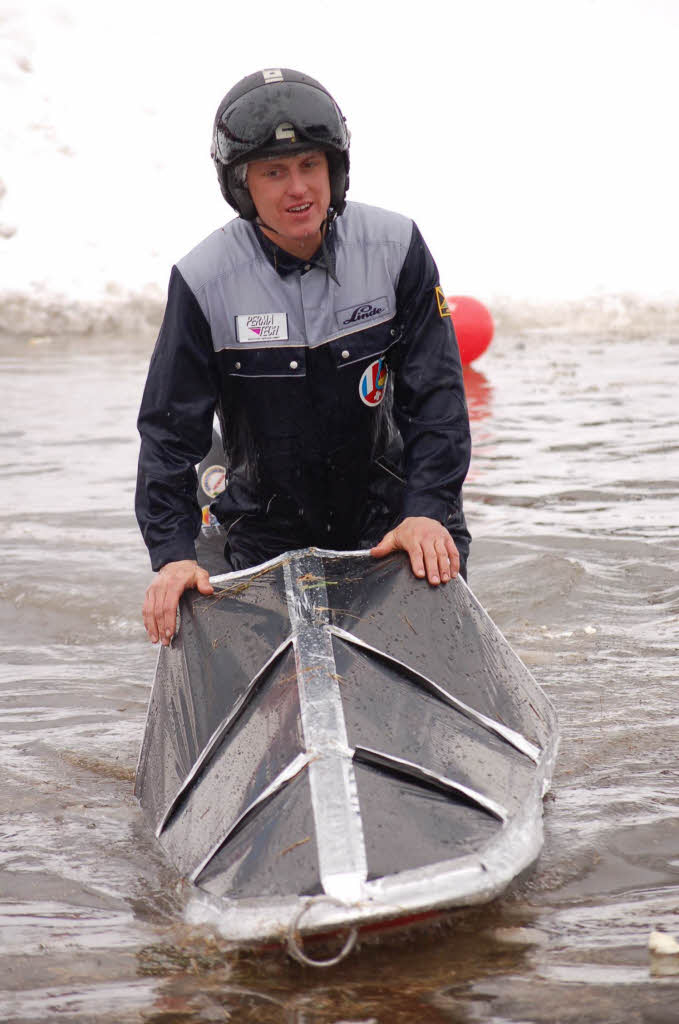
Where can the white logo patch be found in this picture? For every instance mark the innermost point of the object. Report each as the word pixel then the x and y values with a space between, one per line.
pixel 285 131
pixel 273 75
pixel 262 327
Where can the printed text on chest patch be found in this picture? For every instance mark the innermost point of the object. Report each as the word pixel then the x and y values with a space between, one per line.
pixel 364 311
pixel 262 327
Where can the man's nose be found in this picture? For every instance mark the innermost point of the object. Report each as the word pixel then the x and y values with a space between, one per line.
pixel 296 183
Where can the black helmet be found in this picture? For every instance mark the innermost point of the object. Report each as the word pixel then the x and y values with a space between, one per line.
pixel 278 111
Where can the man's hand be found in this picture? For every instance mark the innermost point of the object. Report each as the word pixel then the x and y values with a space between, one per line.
pixel 162 597
pixel 430 547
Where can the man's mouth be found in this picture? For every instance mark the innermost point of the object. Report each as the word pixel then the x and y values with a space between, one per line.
pixel 301 208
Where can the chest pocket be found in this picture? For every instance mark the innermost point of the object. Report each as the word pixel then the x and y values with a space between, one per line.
pixel 371 343
pixel 268 362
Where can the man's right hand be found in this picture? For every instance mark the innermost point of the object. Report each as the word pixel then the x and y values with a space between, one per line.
pixel 162 597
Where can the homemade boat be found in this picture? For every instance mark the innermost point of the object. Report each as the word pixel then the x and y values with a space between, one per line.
pixel 333 744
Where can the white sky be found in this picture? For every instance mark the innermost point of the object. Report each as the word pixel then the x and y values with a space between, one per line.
pixel 534 141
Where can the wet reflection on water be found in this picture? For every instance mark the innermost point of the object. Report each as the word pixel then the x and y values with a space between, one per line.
pixel 479 392
pixel 573 500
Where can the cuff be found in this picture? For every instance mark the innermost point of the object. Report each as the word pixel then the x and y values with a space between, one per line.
pixel 424 505
pixel 176 551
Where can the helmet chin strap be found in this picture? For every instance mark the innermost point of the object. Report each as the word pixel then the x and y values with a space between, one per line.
pixel 262 224
pixel 327 257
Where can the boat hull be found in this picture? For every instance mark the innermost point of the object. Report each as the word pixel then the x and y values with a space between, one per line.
pixel 333 742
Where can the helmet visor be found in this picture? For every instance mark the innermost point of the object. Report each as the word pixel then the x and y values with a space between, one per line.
pixel 252 120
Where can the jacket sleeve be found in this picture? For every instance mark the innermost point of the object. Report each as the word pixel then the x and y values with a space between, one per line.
pixel 175 424
pixel 429 400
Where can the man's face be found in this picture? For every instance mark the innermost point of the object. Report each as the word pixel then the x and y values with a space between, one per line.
pixel 292 196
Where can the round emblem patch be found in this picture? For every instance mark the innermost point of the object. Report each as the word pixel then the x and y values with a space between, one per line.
pixel 213 480
pixel 373 382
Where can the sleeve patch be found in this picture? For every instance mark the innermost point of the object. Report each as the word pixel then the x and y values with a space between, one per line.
pixel 444 309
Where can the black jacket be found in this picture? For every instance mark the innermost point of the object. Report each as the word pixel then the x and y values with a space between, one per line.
pixel 335 390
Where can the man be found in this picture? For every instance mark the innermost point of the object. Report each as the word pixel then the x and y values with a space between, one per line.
pixel 318 332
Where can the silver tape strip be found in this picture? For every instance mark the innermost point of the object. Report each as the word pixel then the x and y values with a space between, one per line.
pixel 254 571
pixel 288 773
pixel 221 731
pixel 515 739
pixel 419 773
pixel 334 794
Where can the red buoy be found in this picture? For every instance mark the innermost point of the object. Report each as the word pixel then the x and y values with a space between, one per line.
pixel 473 326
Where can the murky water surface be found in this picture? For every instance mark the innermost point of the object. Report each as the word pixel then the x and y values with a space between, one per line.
pixel 573 499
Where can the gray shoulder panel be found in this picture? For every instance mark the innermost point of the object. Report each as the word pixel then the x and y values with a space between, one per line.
pixel 371 226
pixel 233 282
pixel 230 248
pixel 371 248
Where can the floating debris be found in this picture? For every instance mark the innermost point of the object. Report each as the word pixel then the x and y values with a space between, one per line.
pixel 663 943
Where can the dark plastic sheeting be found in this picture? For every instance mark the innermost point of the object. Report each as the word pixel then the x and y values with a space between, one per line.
pixel 438 827
pixel 384 711
pixel 222 643
pixel 259 746
pixel 273 854
pixel 442 632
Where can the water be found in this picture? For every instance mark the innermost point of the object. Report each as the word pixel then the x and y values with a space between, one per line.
pixel 573 500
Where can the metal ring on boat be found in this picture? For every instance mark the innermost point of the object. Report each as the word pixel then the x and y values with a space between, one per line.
pixel 294 945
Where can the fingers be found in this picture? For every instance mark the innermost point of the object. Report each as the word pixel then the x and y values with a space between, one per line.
pixel 168 611
pixel 441 558
pixel 151 612
pixel 148 614
pixel 159 612
pixel 453 556
pixel 385 546
pixel 418 560
pixel 203 582
pixel 436 561
pixel 149 619
pixel 430 547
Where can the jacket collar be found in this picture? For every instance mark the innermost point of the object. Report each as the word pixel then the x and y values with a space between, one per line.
pixel 285 263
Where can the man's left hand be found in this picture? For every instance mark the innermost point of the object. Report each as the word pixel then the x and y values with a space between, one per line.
pixel 430 547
